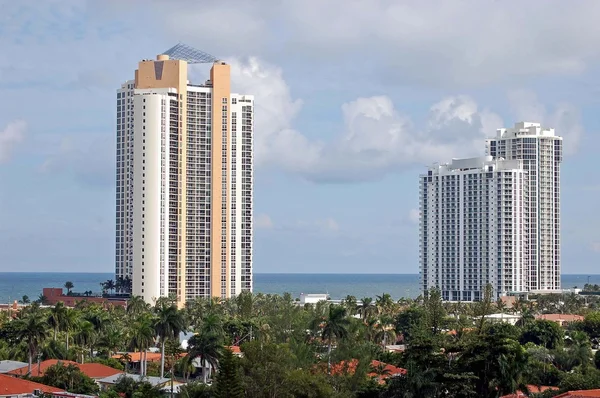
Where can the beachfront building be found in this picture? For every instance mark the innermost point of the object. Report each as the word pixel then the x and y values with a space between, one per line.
pixel 471 228
pixel 540 151
pixel 184 197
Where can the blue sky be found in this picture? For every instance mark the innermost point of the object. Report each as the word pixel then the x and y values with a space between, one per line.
pixel 349 111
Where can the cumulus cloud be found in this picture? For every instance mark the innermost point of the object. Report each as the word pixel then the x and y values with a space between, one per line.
pixel 377 138
pixel 263 221
pixel 452 43
pixel 414 215
pixel 12 135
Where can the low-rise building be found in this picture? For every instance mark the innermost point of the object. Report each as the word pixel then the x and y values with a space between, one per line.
pixel 11 387
pixel 313 298
pixel 8 366
pixel 561 319
pixel 54 295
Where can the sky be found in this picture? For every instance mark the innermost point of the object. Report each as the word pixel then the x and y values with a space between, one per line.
pixel 353 100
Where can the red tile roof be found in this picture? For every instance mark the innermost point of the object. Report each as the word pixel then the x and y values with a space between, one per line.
pixel 97 370
pixel 93 370
pixel 235 349
pixel 580 394
pixel 42 369
pixel 13 385
pixel 135 356
pixel 532 389
pixel 561 317
pixel 350 367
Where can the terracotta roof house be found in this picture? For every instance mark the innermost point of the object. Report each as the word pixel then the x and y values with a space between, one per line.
pixel 93 370
pixel 13 386
pixel 235 349
pixel 532 390
pixel 561 319
pixel 38 371
pixel 136 356
pixel 385 370
pixel 580 394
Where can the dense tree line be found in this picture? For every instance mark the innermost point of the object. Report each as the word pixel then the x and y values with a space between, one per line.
pixel 289 350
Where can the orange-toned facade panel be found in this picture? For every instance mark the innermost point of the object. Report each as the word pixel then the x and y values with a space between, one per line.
pixel 220 78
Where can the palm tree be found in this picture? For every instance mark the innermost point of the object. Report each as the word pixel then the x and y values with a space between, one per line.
pixel 120 282
pixel 207 346
pixel 351 304
pixel 366 308
pixel 69 321
pixel 57 316
pixel 33 330
pixel 142 336
pixel 109 285
pixel 136 306
pixel 25 300
pixel 335 327
pixel 85 336
pixel 169 324
pixel 69 286
pixel 111 339
pixel 384 303
pixel 384 331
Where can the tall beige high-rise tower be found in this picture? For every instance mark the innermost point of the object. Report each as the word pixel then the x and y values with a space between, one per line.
pixel 184 194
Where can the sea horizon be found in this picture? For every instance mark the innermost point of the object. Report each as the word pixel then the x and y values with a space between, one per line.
pixel 15 284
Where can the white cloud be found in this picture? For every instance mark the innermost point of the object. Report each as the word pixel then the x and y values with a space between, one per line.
pixel 414 215
pixel 12 135
pixel 426 42
pixel 324 226
pixel 263 221
pixel 377 137
pixel 565 118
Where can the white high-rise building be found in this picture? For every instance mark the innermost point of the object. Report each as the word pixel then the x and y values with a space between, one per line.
pixel 494 220
pixel 471 228
pixel 184 181
pixel 540 151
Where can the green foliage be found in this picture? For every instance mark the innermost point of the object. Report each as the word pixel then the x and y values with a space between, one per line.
pixel 543 332
pixel 113 363
pixel 135 389
pixel 580 381
pixel 69 378
pixel 196 390
pixel 591 324
pixel 410 321
pixel 316 351
pixel 228 383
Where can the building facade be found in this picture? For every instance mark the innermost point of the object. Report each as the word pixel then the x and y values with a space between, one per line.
pixel 540 151
pixel 184 198
pixel 471 228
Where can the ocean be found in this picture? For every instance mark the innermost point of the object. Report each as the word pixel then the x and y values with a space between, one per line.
pixel 14 285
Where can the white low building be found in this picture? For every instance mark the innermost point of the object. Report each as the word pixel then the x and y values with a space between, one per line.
pixel 313 298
